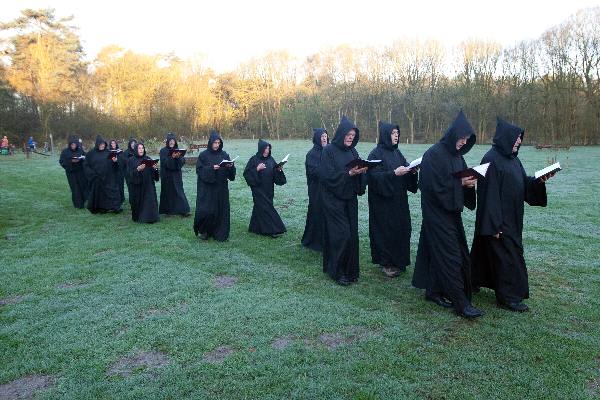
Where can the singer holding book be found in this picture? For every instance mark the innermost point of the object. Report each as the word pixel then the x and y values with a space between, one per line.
pixel 172 196
pixel 312 237
pixel 102 174
pixel 72 159
pixel 212 217
pixel 262 173
pixel 144 205
pixel 389 215
pixel 497 251
pixel 443 265
pixel 113 146
pixel 340 187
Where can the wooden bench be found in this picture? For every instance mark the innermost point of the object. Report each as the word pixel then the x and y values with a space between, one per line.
pixel 193 147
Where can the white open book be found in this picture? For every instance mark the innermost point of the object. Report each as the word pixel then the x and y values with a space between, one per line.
pixel 229 161
pixel 415 163
pixel 548 170
pixel 282 162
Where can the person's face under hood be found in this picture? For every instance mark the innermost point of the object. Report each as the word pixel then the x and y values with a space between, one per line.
pixel 114 145
pixel 320 137
pixel 73 144
pixel 140 150
pixel 215 142
pixel 171 141
pixel 342 138
pixel 389 135
pixel 508 138
pixel 100 143
pixel 264 149
pixel 460 136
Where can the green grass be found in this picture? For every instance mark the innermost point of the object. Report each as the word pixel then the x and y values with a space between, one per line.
pixel 150 288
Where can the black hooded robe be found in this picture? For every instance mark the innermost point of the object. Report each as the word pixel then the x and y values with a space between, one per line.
pixel 144 205
pixel 212 202
pixel 128 154
pixel 312 237
pixel 340 205
pixel 103 179
pixel 264 220
pixel 499 263
pixel 443 264
pixel 75 173
pixel 122 161
pixel 389 216
pixel 172 196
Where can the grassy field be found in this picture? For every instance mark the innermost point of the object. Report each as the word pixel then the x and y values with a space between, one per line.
pixel 97 306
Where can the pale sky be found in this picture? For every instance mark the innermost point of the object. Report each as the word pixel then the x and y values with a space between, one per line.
pixel 226 33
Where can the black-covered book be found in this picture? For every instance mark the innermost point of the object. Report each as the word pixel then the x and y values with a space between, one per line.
pixel 360 163
pixel 474 172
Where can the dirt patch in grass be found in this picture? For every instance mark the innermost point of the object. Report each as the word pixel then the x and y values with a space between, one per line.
pixel 282 342
pixel 218 355
pixel 147 361
pixel 7 301
pixel 224 281
pixel 160 312
pixel 25 387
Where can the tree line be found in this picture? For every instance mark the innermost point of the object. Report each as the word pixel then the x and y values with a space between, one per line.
pixel 550 86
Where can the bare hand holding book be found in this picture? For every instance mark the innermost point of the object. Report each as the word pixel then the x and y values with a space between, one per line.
pixel 149 162
pixel 180 151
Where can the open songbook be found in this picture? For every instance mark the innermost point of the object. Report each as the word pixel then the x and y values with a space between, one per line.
pixel 282 162
pixel 182 151
pixel 114 153
pixel 360 163
pixel 415 163
pixel 548 170
pixel 149 162
pixel 79 158
pixel 228 162
pixel 474 172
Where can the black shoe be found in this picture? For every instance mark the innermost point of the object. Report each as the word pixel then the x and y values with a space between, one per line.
pixel 343 281
pixel 439 300
pixel 515 307
pixel 204 236
pixel 470 312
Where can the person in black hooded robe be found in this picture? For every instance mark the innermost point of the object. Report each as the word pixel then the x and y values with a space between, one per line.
pixel 212 201
pixel 389 216
pixel 340 187
pixel 172 196
pixel 443 266
pixel 497 252
pixel 262 174
pixel 313 230
pixel 74 170
pixel 122 161
pixel 102 174
pixel 130 152
pixel 144 205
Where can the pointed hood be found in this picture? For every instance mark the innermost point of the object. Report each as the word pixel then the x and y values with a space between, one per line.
pixel 214 135
pixel 317 132
pixel 261 147
pixel 73 139
pixel 131 140
pixel 385 135
pixel 505 137
pixel 170 136
pixel 460 128
pixel 99 140
pixel 343 128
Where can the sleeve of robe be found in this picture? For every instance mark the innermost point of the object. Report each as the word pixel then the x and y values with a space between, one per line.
pixel 444 190
pixel 469 194
pixel 312 167
pixel 135 177
pixel 490 202
pixel 338 181
pixel 380 180
pixel 65 161
pixel 535 190
pixel 279 177
pixel 205 170
pixel 155 174
pixel 230 171
pixel 122 160
pixel 170 163
pixel 251 175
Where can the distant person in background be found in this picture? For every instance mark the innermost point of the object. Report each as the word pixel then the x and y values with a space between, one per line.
pixel 4 144
pixel 102 174
pixel 340 188
pixel 172 196
pixel 313 230
pixel 144 205
pixel 122 161
pixel 212 199
pixel 497 252
pixel 72 159
pixel 389 216
pixel 443 266
pixel 130 152
pixel 31 144
pixel 262 174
